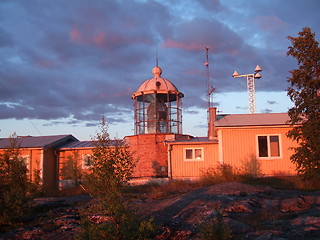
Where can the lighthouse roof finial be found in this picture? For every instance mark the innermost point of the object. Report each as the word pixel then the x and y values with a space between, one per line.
pixel 156 71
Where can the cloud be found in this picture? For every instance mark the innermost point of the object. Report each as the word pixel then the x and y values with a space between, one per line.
pixel 84 59
pixel 5 39
pixel 91 124
pixel 271 102
pixel 188 111
pixel 241 108
pixel 201 126
pixel 266 110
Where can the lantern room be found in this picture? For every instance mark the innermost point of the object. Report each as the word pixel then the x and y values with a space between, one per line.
pixel 157 106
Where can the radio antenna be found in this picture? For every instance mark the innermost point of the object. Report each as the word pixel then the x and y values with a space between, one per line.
pixel 157 58
pixel 210 89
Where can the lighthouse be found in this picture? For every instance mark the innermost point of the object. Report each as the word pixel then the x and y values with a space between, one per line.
pixel 157 106
pixel 157 119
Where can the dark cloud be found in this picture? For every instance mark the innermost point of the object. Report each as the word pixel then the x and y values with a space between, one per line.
pixel 241 108
pixel 5 39
pixel 191 111
pixel 92 124
pixel 271 102
pixel 79 59
pixel 266 110
pixel 201 126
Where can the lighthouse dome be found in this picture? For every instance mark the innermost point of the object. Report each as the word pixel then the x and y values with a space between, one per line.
pixel 157 84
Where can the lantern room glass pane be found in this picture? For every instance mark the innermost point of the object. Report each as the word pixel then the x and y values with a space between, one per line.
pixel 157 113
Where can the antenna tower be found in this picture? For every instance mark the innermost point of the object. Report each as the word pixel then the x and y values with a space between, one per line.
pixel 250 87
pixel 210 89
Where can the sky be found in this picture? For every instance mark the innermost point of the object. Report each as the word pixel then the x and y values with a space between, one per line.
pixel 64 64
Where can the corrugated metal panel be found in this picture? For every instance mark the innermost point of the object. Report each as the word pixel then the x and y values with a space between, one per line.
pixel 257 119
pixel 90 144
pixel 184 169
pixel 198 140
pixel 240 147
pixel 80 144
pixel 42 141
pixel 72 154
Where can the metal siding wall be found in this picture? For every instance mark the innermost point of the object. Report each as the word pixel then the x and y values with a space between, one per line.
pixel 65 155
pixel 240 146
pixel 185 169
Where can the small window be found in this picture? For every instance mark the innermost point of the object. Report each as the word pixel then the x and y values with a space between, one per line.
pixel 26 160
pixel 193 154
pixel 269 146
pixel 87 161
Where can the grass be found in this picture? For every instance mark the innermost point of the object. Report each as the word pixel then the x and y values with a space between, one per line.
pixel 160 191
pixel 226 173
pixel 210 177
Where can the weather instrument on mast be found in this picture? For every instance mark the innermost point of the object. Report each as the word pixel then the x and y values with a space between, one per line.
pixel 250 87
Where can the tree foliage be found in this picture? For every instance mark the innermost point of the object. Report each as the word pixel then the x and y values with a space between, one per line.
pixel 71 169
pixel 112 166
pixel 304 91
pixel 14 183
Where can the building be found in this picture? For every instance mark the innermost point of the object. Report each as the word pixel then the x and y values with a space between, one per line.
pixel 157 118
pixel 161 148
pixel 41 156
pixel 240 140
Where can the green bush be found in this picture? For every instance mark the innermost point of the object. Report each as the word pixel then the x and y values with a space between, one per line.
pixel 15 185
pixel 220 174
pixel 215 229
pixel 252 167
pixel 111 170
pixel 125 225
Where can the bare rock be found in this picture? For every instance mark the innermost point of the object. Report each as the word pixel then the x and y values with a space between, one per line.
pixel 237 227
pixel 245 206
pixel 264 235
pixel 293 205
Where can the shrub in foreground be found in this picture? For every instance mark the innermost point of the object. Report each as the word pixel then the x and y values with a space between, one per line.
pixel 111 170
pixel 15 185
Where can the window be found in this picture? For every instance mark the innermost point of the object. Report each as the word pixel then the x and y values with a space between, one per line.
pixel 26 160
pixel 193 154
pixel 269 146
pixel 87 161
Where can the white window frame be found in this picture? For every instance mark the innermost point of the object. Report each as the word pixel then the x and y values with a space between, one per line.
pixel 85 156
pixel 193 154
pixel 268 146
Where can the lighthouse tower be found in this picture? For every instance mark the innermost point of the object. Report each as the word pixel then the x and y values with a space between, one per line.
pixel 157 106
pixel 157 119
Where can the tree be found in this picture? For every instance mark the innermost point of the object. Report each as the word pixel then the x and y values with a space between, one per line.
pixel 112 166
pixel 71 169
pixel 14 183
pixel 304 92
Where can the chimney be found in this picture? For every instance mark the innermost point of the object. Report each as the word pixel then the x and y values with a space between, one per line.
pixel 212 134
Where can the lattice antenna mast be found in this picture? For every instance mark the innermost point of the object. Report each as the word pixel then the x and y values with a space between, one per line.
pixel 210 89
pixel 250 87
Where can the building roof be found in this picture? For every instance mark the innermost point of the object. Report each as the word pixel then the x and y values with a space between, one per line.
pixel 39 141
pixel 192 140
pixel 80 144
pixel 157 84
pixel 90 144
pixel 255 119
